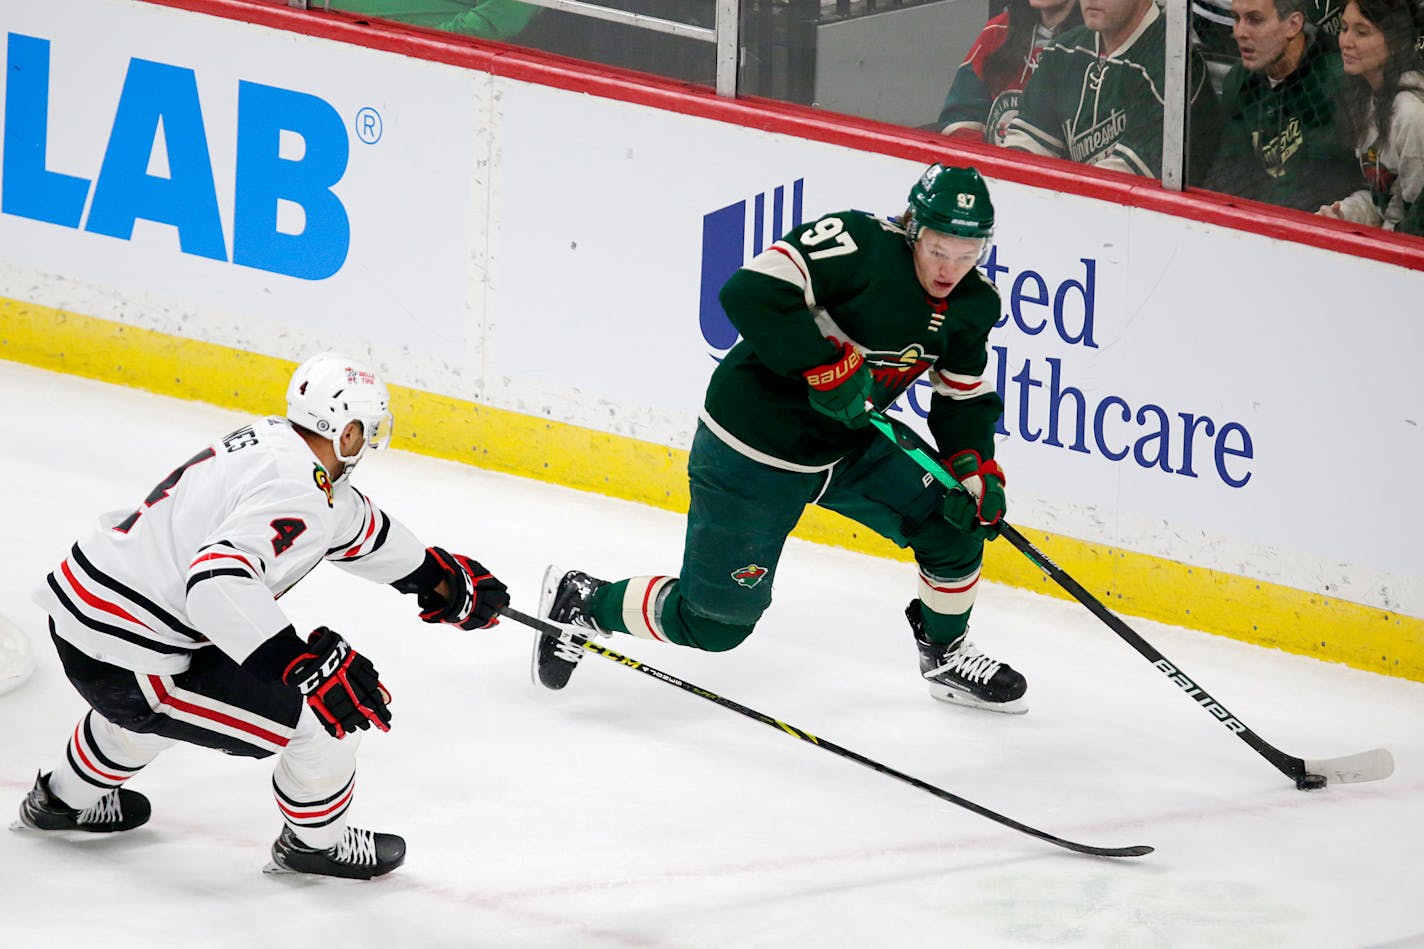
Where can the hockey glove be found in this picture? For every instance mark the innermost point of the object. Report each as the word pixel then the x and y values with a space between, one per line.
pixel 473 596
pixel 339 684
pixel 841 388
pixel 977 506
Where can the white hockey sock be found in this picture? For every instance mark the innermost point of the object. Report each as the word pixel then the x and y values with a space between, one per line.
pixel 642 600
pixel 314 782
pixel 948 596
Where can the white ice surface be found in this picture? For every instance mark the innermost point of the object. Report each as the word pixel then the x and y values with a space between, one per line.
pixel 624 812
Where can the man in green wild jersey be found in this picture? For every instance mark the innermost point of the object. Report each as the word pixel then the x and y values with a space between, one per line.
pixel 846 310
pixel 1095 96
pixel 1282 142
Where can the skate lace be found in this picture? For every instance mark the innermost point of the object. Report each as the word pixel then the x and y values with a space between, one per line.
pixel 105 811
pixel 567 650
pixel 968 663
pixel 356 846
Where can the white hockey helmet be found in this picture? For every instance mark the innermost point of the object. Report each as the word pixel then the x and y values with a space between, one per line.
pixel 329 390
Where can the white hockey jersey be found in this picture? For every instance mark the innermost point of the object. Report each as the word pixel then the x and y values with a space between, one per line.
pixel 204 557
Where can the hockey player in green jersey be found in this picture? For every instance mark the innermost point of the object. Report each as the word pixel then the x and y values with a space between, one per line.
pixel 1095 96
pixel 847 310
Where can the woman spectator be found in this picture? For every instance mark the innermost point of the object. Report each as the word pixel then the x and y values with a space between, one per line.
pixel 984 96
pixel 1383 110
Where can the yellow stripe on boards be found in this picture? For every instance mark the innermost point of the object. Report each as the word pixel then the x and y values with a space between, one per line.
pixel 1133 584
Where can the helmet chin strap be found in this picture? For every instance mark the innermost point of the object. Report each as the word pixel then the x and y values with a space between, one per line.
pixel 349 461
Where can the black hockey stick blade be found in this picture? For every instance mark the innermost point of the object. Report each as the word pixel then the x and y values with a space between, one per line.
pixel 1308 775
pixel 583 642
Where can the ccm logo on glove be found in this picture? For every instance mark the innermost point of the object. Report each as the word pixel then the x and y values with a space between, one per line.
pixel 340 685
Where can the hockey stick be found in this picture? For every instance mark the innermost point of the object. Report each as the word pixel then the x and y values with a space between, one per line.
pixel 544 626
pixel 1308 774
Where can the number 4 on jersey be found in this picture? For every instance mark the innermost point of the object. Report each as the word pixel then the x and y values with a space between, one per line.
pixel 160 491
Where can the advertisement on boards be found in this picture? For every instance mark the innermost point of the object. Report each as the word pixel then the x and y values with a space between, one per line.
pixel 1169 387
pixel 239 184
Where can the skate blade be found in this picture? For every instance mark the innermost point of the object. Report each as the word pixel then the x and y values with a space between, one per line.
pixel 275 867
pixel 552 575
pixel 943 693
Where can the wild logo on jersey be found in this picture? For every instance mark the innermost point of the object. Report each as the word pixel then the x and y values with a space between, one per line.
pixel 894 372
pixel 1278 149
pixel 1378 176
pixel 750 575
pixel 1003 110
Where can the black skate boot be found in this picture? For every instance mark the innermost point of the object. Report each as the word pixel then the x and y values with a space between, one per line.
pixel 961 674
pixel 358 855
pixel 563 600
pixel 120 809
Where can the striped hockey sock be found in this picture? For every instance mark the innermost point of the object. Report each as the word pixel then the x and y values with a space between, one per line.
pixel 101 757
pixel 317 819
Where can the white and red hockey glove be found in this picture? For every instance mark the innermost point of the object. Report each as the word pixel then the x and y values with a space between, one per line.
pixel 340 685
pixel 978 505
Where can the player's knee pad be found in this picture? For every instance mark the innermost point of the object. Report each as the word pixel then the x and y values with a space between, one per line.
pixel 710 634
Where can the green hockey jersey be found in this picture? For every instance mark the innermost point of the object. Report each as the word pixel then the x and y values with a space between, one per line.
pixel 848 276
pixel 1107 110
pixel 1281 142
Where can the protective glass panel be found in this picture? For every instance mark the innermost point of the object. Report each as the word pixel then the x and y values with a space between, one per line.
pixel 636 34
pixel 1299 126
pixel 888 60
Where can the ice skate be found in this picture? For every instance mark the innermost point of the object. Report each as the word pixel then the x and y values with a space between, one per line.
pixel 119 810
pixel 960 674
pixel 358 855
pixel 563 600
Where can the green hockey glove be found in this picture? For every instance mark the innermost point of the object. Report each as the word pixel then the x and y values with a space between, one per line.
pixel 841 388
pixel 978 505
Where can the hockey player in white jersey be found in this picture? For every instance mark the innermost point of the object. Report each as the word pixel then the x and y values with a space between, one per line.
pixel 166 620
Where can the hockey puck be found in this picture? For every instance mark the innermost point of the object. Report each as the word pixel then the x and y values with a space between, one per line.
pixel 1310 782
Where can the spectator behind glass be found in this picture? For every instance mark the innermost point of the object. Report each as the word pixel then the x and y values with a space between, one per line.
pixel 984 96
pixel 1281 143
pixel 486 19
pixel 1096 95
pixel 1382 107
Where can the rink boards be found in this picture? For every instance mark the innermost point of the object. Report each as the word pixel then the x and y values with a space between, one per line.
pixel 1205 425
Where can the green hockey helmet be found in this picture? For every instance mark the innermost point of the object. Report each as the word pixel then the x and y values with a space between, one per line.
pixel 950 200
